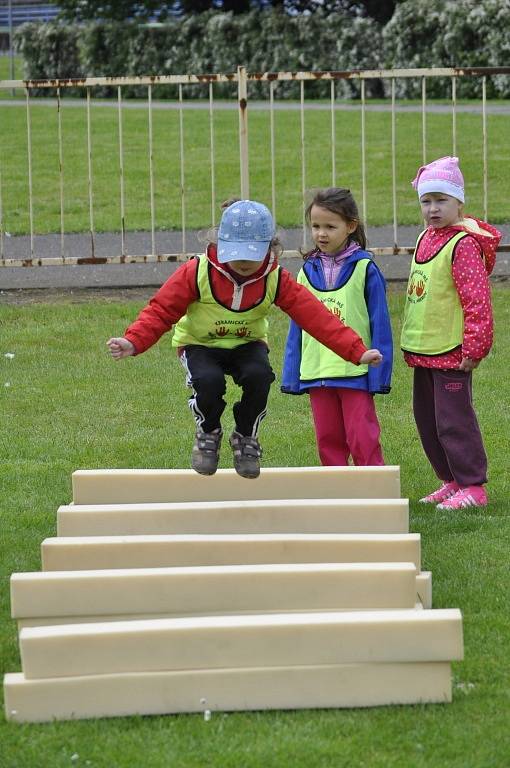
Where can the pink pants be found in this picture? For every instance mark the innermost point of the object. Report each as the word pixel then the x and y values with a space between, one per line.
pixel 346 425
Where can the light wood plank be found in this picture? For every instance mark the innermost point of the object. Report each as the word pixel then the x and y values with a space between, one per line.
pixel 213 589
pixel 114 486
pixel 241 641
pixel 259 516
pixel 96 552
pixel 424 588
pixel 158 693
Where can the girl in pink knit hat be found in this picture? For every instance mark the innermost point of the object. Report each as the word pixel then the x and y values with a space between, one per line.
pixel 447 331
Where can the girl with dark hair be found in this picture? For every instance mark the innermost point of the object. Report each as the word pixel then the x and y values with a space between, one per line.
pixel 341 273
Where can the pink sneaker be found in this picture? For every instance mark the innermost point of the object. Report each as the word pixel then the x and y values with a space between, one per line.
pixel 472 496
pixel 443 493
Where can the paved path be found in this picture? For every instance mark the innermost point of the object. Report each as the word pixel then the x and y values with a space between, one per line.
pixel 153 274
pixel 491 108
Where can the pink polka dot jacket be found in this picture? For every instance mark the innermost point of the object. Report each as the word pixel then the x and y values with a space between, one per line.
pixel 472 264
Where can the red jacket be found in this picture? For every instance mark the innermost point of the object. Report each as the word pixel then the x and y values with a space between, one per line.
pixel 473 262
pixel 171 301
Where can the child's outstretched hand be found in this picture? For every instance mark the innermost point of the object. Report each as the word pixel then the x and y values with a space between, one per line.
pixel 120 347
pixel 371 357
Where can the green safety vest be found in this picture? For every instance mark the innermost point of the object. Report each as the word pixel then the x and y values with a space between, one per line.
pixel 210 324
pixel 348 303
pixel 433 317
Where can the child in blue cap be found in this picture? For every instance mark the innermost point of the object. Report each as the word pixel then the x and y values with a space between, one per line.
pixel 218 305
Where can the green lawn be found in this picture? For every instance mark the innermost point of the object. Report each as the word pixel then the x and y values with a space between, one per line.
pixel 197 171
pixel 5 73
pixel 69 406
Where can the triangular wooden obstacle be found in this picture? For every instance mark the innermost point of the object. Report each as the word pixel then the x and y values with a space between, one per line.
pixel 169 592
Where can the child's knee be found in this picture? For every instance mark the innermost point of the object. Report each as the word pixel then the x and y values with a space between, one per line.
pixel 261 377
pixel 212 382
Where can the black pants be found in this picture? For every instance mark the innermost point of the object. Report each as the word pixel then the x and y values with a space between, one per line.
pixel 447 425
pixel 249 366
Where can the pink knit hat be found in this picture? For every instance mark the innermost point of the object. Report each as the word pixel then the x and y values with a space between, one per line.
pixel 441 175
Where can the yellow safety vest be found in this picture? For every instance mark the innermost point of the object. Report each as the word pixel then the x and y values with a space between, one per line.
pixel 349 305
pixel 210 324
pixel 433 317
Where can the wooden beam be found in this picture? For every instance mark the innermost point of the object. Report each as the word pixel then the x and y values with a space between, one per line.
pixel 253 516
pixel 114 486
pixel 294 639
pixel 218 690
pixel 192 591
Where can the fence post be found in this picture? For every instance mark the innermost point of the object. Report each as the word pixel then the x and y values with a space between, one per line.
pixel 242 89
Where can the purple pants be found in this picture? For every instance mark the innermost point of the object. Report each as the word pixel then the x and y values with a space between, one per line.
pixel 346 425
pixel 448 427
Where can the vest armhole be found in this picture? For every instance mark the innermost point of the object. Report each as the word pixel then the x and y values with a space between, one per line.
pixel 305 275
pixel 197 275
pixel 418 241
pixel 278 282
pixel 351 272
pixel 460 240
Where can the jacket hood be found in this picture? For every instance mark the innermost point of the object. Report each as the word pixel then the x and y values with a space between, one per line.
pixel 487 236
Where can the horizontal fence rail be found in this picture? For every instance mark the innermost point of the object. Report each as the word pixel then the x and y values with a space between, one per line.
pixel 278 185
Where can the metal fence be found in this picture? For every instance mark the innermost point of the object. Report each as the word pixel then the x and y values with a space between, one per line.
pixel 16 13
pixel 241 81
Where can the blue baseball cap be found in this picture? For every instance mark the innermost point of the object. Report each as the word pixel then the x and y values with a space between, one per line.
pixel 245 232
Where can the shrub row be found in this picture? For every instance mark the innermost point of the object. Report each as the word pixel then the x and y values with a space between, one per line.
pixel 458 33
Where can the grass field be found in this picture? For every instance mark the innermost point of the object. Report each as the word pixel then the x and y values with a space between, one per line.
pixel 66 405
pixel 197 171
pixel 5 71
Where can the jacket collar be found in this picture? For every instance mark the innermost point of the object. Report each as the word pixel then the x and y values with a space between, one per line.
pixel 268 265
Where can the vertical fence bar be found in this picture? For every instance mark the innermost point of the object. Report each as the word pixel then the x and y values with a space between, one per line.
pixel 333 136
pixel 121 177
pixel 394 162
pixel 90 187
pixel 272 85
pixel 484 136
pixel 212 161
pixel 30 190
pixel 242 89
pixel 303 158
pixel 151 171
pixel 61 176
pixel 11 46
pixel 363 155
pixel 424 119
pixel 454 116
pixel 181 150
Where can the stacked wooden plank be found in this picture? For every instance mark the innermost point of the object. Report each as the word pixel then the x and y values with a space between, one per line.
pixel 166 591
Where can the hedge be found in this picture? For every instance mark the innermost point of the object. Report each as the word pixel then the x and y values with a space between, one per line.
pixel 206 43
pixel 456 33
pixel 452 33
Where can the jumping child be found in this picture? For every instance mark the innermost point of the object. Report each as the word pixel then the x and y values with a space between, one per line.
pixel 340 272
pixel 219 305
pixel 447 331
